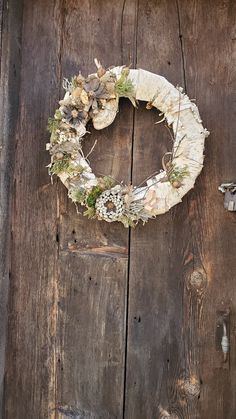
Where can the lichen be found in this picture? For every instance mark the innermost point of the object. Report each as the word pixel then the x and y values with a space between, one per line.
pixel 177 174
pixel 124 87
pixel 90 212
pixel 77 195
pixel 93 196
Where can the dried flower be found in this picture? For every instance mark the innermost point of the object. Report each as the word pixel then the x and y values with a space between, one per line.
pixel 73 116
pixel 97 91
pixel 110 205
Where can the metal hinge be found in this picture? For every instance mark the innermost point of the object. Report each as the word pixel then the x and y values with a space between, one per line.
pixel 229 189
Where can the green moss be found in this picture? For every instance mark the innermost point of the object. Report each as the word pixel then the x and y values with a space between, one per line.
pixel 54 137
pixel 53 125
pixel 60 166
pixel 77 195
pixel 93 195
pixel 126 221
pixel 58 115
pixel 124 86
pixel 90 212
pixel 177 174
pixel 106 182
pixel 65 166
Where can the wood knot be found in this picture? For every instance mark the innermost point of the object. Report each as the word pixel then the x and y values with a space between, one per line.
pixel 164 414
pixel 190 387
pixel 198 280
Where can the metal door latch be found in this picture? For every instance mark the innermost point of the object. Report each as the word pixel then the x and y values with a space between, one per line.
pixel 229 189
pixel 225 342
pixel 223 335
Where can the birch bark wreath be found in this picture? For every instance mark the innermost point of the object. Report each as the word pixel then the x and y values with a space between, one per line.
pixel 96 98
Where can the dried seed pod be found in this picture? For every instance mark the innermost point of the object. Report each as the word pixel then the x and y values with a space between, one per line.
pixel 176 184
pixel 101 71
pixel 149 105
pixel 80 79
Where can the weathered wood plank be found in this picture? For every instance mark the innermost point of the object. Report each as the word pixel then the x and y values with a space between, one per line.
pixel 10 40
pixel 210 67
pixel 30 375
pixel 94 255
pixel 156 360
pixel 68 286
pixel 175 368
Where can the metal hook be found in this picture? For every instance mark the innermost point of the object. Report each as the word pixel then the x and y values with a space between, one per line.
pixel 225 341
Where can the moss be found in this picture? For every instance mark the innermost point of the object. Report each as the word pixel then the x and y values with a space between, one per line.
pixel 93 196
pixel 60 166
pixel 65 166
pixel 58 115
pixel 77 195
pixel 126 221
pixel 53 125
pixel 177 174
pixel 54 137
pixel 106 182
pixel 124 86
pixel 90 212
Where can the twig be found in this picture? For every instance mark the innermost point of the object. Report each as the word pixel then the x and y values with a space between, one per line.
pixel 91 150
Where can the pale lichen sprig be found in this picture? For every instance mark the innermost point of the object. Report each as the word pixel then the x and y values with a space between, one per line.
pixel 124 87
pixel 65 165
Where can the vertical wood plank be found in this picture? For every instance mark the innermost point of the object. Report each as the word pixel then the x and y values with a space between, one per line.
pixel 10 59
pixel 30 375
pixel 157 358
pixel 68 283
pixel 94 255
pixel 212 82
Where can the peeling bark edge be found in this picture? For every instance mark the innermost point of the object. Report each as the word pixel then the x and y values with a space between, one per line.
pixel 11 33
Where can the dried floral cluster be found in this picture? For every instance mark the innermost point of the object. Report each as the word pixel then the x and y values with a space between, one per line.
pixel 96 98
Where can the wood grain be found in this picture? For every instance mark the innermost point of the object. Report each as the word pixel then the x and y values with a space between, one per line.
pixel 10 58
pixel 174 367
pixel 103 322
pixel 212 83
pixel 30 375
pixel 156 358
pixel 94 255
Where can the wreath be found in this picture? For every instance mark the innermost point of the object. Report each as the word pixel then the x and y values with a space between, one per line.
pixel 96 98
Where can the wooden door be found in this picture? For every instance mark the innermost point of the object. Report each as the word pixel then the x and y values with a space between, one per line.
pixel 99 322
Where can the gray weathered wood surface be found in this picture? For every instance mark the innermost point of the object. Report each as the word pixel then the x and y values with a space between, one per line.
pixel 10 38
pixel 104 322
